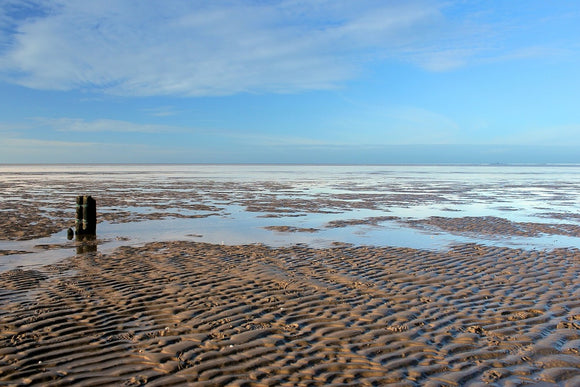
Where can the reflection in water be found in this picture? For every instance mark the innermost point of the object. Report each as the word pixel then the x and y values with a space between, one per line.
pixel 86 244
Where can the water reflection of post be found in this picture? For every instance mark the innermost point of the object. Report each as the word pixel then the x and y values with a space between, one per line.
pixel 86 225
pixel 86 244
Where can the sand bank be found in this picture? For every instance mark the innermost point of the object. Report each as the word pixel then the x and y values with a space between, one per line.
pixel 183 312
pixel 178 312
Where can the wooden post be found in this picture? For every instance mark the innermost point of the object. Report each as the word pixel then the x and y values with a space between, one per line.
pixel 79 220
pixel 86 222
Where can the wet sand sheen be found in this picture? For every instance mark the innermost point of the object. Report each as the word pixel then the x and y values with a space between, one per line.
pixel 184 312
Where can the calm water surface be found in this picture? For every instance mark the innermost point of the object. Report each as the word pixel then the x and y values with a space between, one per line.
pixel 517 193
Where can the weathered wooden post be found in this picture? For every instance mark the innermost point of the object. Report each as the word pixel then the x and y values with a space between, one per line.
pixel 86 222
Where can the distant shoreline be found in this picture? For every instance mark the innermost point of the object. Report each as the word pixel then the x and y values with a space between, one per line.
pixel 314 164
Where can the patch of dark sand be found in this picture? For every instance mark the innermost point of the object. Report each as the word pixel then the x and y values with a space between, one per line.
pixel 562 215
pixel 184 312
pixel 322 204
pixel 371 221
pixel 28 223
pixel 290 229
pixel 278 209
pixel 55 246
pixel 186 206
pixel 10 252
pixel 507 208
pixel 31 214
pixel 285 215
pixel 490 225
pixel 127 216
pixel 341 244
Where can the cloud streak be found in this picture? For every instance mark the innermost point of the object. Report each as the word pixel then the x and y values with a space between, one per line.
pixel 103 125
pixel 200 48
pixel 27 150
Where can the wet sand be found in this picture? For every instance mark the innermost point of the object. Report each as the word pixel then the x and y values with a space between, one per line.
pixel 38 204
pixel 491 225
pixel 183 312
pixel 189 313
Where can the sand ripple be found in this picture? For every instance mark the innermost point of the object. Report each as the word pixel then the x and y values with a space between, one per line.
pixel 176 313
pixel 491 225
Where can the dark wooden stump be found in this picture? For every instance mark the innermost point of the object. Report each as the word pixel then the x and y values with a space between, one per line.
pixel 86 222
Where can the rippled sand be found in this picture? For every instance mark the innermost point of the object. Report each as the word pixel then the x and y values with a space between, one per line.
pixel 177 312
pixel 204 314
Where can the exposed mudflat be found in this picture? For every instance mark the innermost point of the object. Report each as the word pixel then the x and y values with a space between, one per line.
pixel 183 312
pixel 150 302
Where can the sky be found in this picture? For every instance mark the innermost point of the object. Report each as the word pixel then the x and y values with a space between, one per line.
pixel 289 81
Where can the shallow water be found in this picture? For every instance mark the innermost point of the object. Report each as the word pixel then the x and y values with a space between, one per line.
pixel 247 198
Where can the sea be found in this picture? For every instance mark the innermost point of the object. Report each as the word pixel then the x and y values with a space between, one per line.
pixel 281 205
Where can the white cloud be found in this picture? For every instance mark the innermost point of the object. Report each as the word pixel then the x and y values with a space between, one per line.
pixel 219 47
pixel 195 48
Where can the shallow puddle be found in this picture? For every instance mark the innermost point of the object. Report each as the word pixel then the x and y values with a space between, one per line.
pixel 236 204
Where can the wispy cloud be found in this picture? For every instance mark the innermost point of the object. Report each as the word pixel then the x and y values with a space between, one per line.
pixel 31 143
pixel 53 126
pixel 30 150
pixel 182 48
pixel 102 125
pixel 200 48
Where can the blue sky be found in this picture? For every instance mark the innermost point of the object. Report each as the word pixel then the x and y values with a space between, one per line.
pixel 289 81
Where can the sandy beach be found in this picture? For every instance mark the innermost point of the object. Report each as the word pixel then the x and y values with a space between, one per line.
pixel 289 193
pixel 187 312
pixel 175 313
